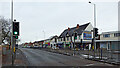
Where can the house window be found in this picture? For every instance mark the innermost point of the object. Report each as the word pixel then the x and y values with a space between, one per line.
pixel 61 39
pixel 108 46
pixel 64 38
pixel 55 39
pixel 116 34
pixel 106 35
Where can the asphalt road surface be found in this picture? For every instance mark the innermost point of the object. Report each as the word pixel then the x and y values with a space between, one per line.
pixel 38 57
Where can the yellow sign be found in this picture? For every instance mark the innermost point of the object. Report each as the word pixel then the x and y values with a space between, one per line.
pixel 14 49
pixel 92 47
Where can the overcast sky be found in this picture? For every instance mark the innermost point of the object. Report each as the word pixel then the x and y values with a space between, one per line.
pixel 54 16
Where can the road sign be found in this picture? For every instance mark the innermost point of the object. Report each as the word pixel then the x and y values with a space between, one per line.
pixel 87 35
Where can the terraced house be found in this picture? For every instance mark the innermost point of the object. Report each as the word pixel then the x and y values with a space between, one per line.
pixel 83 39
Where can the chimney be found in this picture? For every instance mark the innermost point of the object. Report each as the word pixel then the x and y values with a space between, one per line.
pixel 68 29
pixel 77 26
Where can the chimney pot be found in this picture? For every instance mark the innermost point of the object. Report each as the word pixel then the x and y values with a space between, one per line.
pixel 77 25
pixel 68 28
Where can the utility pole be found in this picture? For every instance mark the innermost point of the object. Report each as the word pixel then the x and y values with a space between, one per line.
pixel 94 43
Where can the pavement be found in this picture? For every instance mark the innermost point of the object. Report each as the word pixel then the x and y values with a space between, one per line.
pixel 20 59
pixel 37 57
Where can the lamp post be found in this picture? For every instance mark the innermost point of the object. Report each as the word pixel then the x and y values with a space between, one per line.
pixel 94 27
pixel 94 13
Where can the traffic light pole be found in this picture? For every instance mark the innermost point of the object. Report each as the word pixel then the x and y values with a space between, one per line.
pixel 74 45
pixel 75 35
pixel 94 29
pixel 94 41
pixel 12 33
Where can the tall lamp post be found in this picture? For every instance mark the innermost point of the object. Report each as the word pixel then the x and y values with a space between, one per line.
pixel 94 26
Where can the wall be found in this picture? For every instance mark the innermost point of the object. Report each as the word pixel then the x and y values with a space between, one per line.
pixel 89 27
pixel 109 38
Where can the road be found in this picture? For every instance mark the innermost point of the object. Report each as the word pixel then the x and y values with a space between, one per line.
pixel 38 57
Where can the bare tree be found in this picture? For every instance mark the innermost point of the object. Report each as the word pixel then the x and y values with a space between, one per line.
pixel 5 31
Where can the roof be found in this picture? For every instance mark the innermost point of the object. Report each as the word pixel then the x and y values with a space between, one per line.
pixel 110 32
pixel 107 40
pixel 53 37
pixel 72 30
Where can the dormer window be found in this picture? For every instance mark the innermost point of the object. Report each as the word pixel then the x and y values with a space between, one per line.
pixel 67 34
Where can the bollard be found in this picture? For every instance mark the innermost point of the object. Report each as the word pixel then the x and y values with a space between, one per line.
pixel 88 53
pixel 101 53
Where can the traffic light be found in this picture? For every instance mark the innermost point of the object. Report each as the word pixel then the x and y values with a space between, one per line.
pixel 16 37
pixel 81 41
pixel 75 36
pixel 15 28
pixel 96 32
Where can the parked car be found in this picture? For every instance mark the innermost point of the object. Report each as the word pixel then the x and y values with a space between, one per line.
pixel 35 46
pixel 28 46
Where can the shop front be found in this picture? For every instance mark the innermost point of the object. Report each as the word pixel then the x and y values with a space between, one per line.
pixel 60 45
pixel 68 45
pixel 83 46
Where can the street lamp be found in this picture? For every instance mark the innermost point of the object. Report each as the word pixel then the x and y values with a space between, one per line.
pixel 94 26
pixel 94 13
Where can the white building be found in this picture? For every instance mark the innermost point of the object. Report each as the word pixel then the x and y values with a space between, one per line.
pixel 83 39
pixel 108 40
pixel 53 42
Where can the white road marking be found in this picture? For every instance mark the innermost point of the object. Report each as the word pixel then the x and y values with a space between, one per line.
pixel 108 64
pixel 98 64
pixel 89 64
